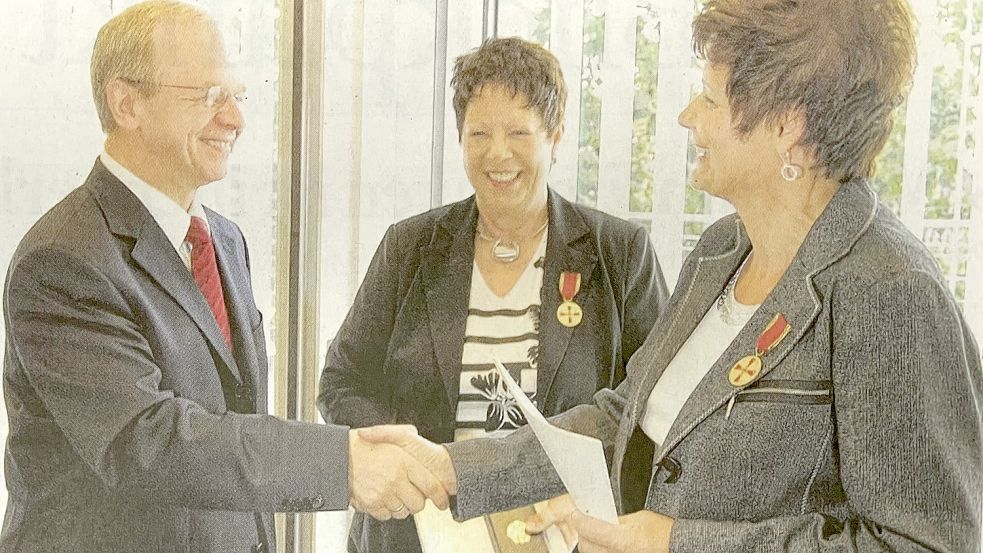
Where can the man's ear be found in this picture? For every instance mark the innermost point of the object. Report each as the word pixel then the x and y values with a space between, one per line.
pixel 124 103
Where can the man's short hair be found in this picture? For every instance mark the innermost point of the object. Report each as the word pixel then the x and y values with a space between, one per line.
pixel 124 48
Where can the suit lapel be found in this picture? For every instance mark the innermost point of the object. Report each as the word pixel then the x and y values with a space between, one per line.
pixel 152 252
pixel 445 268
pixel 565 252
pixel 238 297
pixel 834 233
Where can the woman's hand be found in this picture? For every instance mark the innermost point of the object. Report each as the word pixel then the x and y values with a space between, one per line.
pixel 641 532
pixel 555 513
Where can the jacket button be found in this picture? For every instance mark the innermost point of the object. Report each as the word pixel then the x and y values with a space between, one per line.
pixel 672 469
pixel 317 502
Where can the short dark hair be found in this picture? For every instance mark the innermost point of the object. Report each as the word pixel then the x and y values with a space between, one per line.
pixel 844 64
pixel 522 66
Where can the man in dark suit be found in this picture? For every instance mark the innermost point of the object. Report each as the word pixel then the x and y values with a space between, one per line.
pixel 135 369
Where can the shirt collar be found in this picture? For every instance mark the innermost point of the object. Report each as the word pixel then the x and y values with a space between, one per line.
pixel 171 218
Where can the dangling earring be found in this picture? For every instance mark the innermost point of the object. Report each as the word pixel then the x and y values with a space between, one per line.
pixel 790 171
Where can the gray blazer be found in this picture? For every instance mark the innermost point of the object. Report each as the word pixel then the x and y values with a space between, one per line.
pixel 883 454
pixel 397 357
pixel 132 425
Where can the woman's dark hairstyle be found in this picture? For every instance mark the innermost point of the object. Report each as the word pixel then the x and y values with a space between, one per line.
pixel 522 66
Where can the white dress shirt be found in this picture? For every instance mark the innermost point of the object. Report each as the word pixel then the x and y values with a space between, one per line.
pixel 171 218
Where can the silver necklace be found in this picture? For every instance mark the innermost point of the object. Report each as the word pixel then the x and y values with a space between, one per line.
pixel 726 303
pixel 506 251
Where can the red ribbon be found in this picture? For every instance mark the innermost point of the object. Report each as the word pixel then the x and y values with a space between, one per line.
pixel 569 285
pixel 773 334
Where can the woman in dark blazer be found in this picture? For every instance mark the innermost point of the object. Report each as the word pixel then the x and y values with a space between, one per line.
pixel 398 356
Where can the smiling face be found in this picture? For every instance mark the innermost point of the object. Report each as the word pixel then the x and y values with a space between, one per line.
pixel 189 141
pixel 507 151
pixel 728 164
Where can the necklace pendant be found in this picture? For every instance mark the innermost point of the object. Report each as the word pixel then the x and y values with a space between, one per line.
pixel 505 252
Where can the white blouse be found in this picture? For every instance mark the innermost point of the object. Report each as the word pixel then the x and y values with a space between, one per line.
pixel 720 325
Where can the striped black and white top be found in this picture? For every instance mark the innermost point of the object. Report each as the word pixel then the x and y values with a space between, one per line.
pixel 507 328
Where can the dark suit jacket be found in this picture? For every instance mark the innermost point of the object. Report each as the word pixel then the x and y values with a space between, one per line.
pixel 132 425
pixel 397 357
pixel 863 433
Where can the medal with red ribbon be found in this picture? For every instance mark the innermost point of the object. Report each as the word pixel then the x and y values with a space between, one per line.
pixel 569 313
pixel 748 369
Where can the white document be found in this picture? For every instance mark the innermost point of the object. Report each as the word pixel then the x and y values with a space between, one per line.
pixel 578 459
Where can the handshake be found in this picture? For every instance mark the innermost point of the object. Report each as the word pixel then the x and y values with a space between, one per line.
pixel 392 471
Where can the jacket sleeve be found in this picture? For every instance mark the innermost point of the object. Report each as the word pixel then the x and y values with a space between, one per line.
pixel 353 389
pixel 645 293
pixel 907 395
pixel 83 353
pixel 497 474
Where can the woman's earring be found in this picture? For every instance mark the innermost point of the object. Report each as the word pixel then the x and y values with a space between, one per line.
pixel 790 171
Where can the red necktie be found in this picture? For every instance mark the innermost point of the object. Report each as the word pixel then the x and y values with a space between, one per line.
pixel 205 272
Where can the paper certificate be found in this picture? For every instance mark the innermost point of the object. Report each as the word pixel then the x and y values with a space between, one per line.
pixel 578 459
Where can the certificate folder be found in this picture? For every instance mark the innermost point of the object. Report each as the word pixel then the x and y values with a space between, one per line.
pixel 440 533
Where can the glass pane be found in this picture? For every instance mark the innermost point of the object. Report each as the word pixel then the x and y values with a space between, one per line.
pixel 378 143
pixel 529 19
pixel 589 135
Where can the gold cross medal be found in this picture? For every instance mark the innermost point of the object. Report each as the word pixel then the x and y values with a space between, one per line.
pixel 748 369
pixel 569 313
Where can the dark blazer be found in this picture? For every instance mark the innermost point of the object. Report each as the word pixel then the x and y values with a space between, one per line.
pixel 132 425
pixel 863 434
pixel 397 357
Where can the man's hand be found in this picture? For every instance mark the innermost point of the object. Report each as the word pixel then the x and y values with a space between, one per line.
pixel 556 513
pixel 430 455
pixel 387 482
pixel 641 532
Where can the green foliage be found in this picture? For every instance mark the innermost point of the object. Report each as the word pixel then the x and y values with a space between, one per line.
pixel 590 107
pixel 889 166
pixel 943 151
pixel 644 158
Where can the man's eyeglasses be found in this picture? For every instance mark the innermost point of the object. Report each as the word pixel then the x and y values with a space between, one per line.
pixel 212 96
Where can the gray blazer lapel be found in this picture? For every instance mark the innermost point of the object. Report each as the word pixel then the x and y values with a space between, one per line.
pixel 684 312
pixel 834 233
pixel 564 253
pixel 445 268
pixel 127 217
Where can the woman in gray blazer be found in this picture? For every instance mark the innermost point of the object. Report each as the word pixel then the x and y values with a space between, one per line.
pixel 812 385
pixel 563 294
